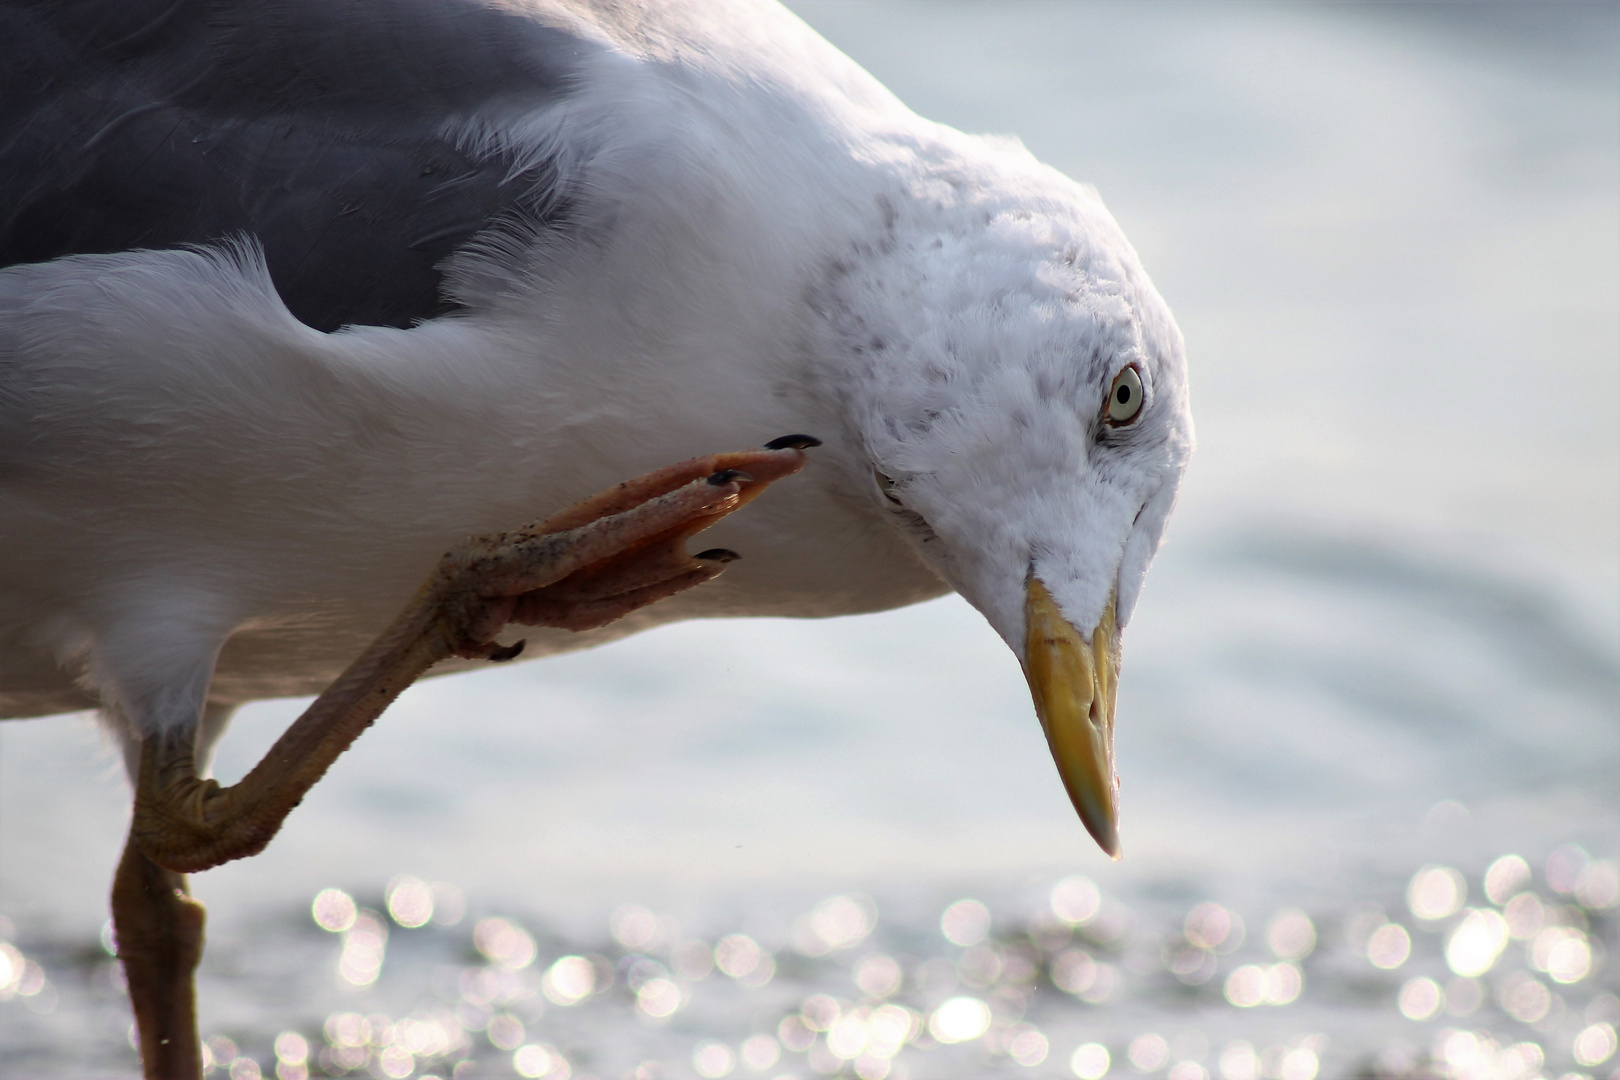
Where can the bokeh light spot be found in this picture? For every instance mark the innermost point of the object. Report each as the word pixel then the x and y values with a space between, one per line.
pixel 1089 1061
pixel 569 981
pixel 1594 1045
pixel 1029 1048
pixel 504 942
pixel 966 922
pixel 1239 1061
pixel 1505 878
pixel 1148 1053
pixel 1187 1070
pixel 410 902
pixel 693 959
pixel 333 910
pixel 961 1019
pixel 1211 926
pixel 1246 986
pixel 1073 971
pixel 846 1039
pixel 292 1048
pixel 1300 1063
pixel 1436 892
pixel 1565 867
pixel 760 1052
pixel 1389 946
pixel 820 1011
pixel 658 998
pixel 537 1061
pixel 869 1067
pixel 635 927
pixel 879 976
pixel 1420 998
pixel 449 904
pixel 1284 983
pixel 1291 935
pixel 736 955
pixel 1075 900
pixel 1476 942
pixel 1105 985
pixel 889 1028
pixel 505 1031
pixel 843 921
pixel 795 1034
pixel 1599 885
pixel 364 945
pixel 713 1060
pixel 395 1062
pixel 1525 916
pixel 1524 998
pixel 1562 952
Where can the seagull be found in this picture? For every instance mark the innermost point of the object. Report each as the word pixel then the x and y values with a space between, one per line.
pixel 308 306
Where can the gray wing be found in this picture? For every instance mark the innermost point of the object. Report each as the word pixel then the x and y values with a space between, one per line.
pixel 310 125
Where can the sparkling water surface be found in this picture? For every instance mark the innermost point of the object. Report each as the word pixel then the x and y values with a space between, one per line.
pixel 1369 724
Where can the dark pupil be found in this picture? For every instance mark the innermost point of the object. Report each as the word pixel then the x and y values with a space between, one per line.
pixel 1124 395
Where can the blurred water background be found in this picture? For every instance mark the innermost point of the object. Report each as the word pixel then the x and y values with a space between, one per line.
pixel 1377 658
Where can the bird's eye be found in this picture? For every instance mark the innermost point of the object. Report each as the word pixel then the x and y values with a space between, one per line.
pixel 1125 396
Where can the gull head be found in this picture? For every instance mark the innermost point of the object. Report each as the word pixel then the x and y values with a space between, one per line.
pixel 1021 397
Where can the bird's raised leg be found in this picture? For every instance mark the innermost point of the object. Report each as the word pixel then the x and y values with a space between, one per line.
pixel 585 567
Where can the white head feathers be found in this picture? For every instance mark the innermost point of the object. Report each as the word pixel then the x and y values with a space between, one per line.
pixel 984 341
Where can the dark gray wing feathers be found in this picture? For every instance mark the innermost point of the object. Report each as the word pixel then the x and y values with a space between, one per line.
pixel 313 126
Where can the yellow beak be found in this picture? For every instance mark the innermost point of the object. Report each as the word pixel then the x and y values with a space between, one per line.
pixel 1074 685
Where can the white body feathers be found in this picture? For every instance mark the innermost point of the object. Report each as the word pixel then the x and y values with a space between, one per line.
pixel 201 498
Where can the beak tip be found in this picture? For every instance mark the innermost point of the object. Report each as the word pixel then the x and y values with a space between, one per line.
pixel 1107 838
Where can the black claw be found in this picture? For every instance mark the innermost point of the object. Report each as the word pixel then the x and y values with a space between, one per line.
pixel 793 442
pixel 506 652
pixel 718 555
pixel 726 476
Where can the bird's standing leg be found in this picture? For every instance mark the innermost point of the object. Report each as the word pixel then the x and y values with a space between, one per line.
pixel 160 940
pixel 585 567
pixel 159 930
